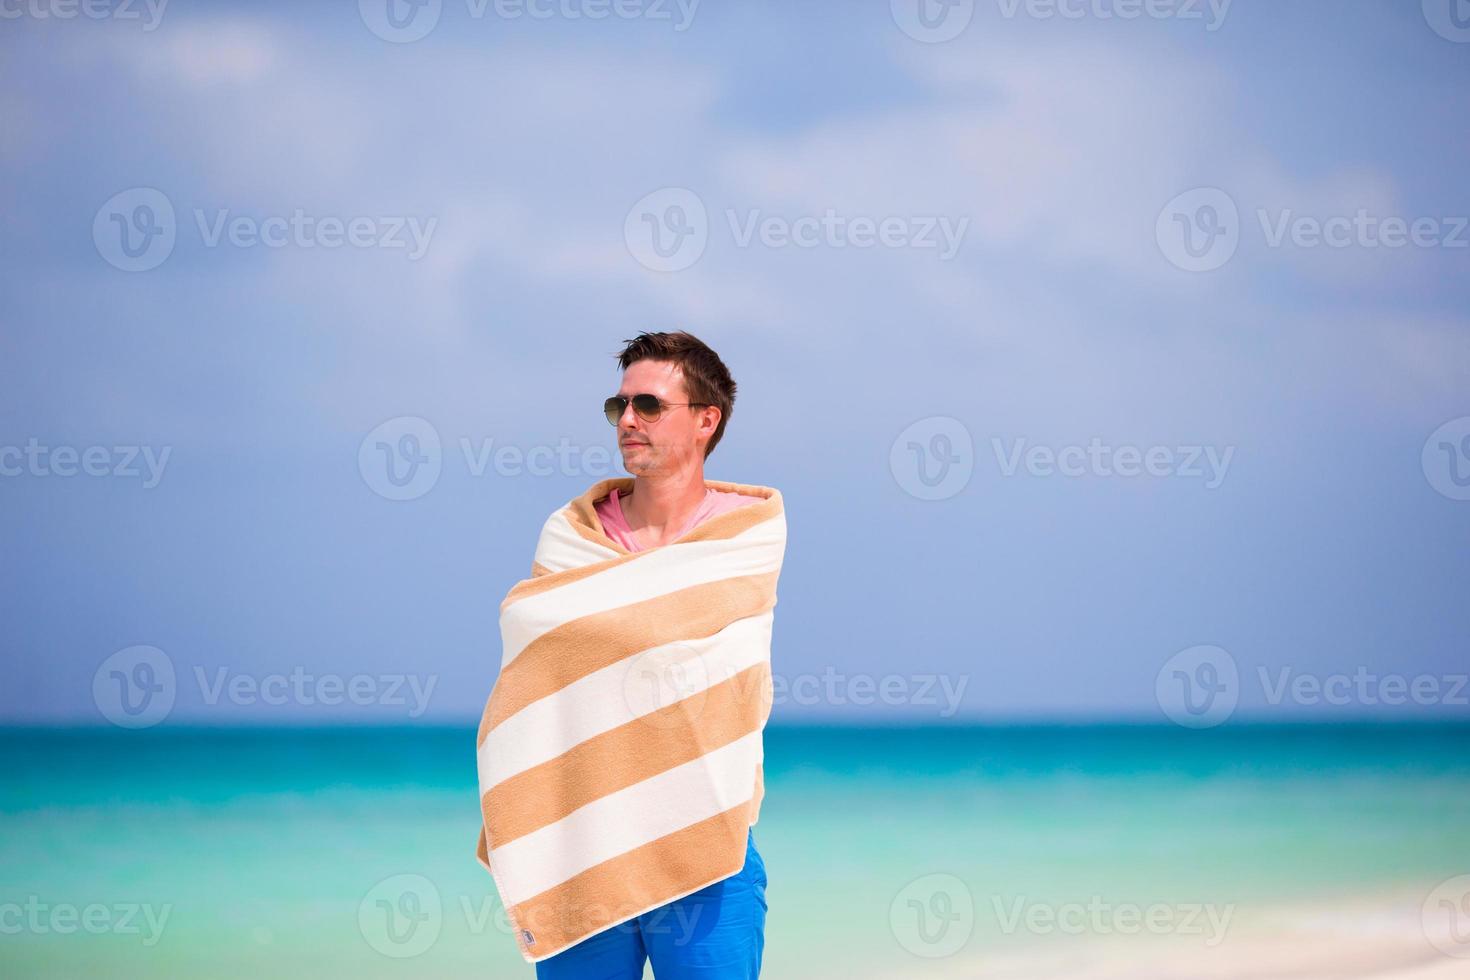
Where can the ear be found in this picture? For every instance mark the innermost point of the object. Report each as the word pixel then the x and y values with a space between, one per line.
pixel 710 414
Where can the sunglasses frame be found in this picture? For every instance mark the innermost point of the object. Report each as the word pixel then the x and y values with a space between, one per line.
pixel 627 400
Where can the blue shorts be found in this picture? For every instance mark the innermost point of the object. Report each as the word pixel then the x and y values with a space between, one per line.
pixel 716 933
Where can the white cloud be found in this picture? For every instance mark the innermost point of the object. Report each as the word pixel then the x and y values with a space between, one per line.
pixel 1060 155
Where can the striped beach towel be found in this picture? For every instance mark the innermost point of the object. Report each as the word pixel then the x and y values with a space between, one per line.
pixel 620 755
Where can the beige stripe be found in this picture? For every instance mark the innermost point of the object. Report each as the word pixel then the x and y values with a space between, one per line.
pixel 578 648
pixel 628 754
pixel 545 580
pixel 663 570
pixel 615 695
pixel 582 512
pixel 633 883
pixel 627 819
pixel 730 524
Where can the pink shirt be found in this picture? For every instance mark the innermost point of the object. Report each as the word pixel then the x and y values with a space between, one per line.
pixel 610 511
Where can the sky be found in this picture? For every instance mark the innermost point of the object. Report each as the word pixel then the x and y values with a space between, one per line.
pixel 1112 359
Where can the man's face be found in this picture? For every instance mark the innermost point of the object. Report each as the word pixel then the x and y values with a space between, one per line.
pixel 675 440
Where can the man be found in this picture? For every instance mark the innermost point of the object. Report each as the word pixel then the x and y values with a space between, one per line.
pixel 620 753
pixel 666 452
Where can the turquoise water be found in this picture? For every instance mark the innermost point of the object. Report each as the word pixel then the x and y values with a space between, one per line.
pixel 281 853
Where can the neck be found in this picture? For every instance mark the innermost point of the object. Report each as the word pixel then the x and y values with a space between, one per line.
pixel 663 504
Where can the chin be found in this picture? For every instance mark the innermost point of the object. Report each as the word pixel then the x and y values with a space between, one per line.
pixel 636 463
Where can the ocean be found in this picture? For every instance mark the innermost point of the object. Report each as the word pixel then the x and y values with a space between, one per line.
pixel 926 851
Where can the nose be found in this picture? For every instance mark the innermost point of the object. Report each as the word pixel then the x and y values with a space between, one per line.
pixel 629 420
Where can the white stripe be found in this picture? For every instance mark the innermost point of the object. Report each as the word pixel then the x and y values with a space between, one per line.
pixel 628 819
pixel 559 546
pixel 620 692
pixel 757 550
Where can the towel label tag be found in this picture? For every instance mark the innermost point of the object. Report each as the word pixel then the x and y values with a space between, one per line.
pixel 526 935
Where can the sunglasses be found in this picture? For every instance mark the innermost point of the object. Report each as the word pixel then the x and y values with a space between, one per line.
pixel 648 407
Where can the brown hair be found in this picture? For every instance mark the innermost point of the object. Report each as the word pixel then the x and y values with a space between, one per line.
pixel 705 375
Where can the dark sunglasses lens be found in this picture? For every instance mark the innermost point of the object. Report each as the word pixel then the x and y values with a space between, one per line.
pixel 613 409
pixel 647 407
